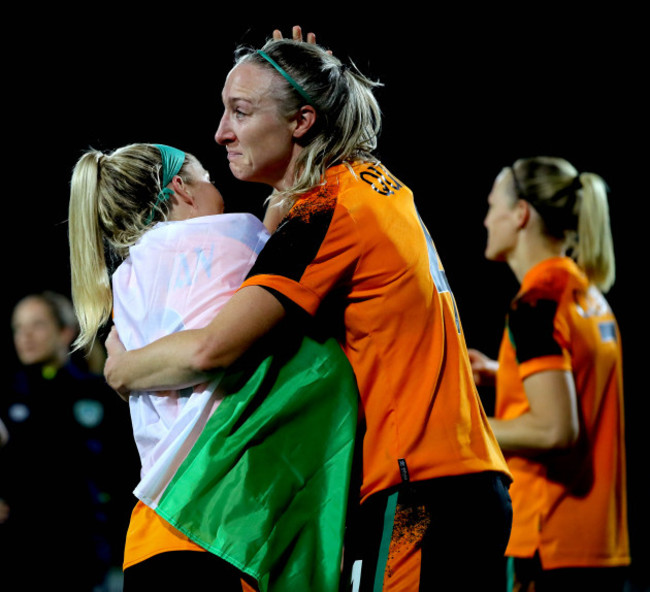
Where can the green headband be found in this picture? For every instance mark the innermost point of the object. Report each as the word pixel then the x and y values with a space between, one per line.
pixel 290 80
pixel 172 162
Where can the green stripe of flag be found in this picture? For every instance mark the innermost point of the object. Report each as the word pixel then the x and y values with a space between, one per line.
pixel 265 486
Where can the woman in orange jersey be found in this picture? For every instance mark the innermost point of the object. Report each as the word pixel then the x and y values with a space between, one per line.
pixel 351 257
pixel 559 393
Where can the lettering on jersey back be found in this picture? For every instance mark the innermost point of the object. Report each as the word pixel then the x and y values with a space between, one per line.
pixel 380 180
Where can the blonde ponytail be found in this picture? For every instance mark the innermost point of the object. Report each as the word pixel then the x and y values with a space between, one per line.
pixel 91 291
pixel 595 249
pixel 114 200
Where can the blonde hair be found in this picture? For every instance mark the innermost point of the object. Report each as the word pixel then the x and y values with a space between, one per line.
pixel 112 199
pixel 573 206
pixel 348 117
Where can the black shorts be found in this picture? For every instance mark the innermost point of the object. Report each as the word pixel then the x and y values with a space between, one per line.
pixel 527 574
pixel 443 534
pixel 182 570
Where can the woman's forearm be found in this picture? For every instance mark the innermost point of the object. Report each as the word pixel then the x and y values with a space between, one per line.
pixel 189 357
pixel 550 424
pixel 162 365
pixel 525 435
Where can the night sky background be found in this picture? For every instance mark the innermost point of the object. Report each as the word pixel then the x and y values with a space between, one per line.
pixel 466 92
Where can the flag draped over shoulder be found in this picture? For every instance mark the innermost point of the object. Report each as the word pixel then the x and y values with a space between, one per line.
pixel 268 478
pixel 255 465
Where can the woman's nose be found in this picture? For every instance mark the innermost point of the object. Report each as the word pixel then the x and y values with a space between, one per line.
pixel 224 133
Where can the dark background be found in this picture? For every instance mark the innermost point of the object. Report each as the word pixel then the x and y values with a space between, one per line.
pixel 466 91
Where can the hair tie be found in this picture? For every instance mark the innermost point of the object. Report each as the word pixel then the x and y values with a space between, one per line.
pixel 290 80
pixel 575 185
pixel 172 162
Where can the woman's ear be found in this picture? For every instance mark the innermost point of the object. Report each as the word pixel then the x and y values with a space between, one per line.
pixel 522 213
pixel 305 119
pixel 182 190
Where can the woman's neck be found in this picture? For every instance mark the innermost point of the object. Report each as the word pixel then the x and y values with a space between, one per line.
pixel 532 250
pixel 287 179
